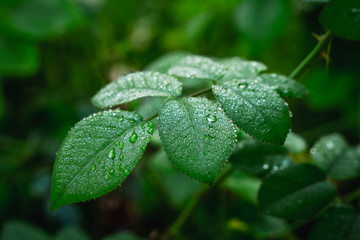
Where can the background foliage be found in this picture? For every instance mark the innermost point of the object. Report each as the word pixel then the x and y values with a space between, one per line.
pixel 55 55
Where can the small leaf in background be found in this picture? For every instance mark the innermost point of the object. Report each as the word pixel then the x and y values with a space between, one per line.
pixel 39 19
pixel 197 136
pixel 124 235
pixel 297 192
pixel 17 57
pixel 239 68
pixel 259 158
pixel 286 87
pixel 328 150
pixel 137 85
pixel 97 155
pixel 164 63
pixel 339 222
pixel 256 109
pixel 333 154
pixel 244 186
pixel 17 230
pixel 342 17
pixel 295 143
pixel 71 233
pixel 200 67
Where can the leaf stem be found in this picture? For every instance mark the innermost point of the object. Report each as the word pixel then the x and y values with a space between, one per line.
pixel 352 196
pixel 174 229
pixel 317 49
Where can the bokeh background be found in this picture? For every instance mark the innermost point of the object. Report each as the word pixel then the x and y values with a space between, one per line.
pixel 55 55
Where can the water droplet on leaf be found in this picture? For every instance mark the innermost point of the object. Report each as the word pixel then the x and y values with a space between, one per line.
pixel 133 137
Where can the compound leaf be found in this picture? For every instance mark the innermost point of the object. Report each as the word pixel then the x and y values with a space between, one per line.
pixel 199 67
pixel 297 192
pixel 286 87
pixel 137 85
pixel 342 18
pixel 97 155
pixel 197 136
pixel 239 68
pixel 256 109
pixel 337 223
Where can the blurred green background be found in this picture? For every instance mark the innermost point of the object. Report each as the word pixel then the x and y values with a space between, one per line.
pixel 55 55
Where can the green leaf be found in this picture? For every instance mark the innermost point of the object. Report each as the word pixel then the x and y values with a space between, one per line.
pixel 259 158
pixel 164 63
pixel 39 19
pixel 124 235
pixel 295 143
pixel 197 136
pixel 333 154
pixel 244 186
pixel 17 57
pixel 239 68
pixel 286 87
pixel 256 109
pixel 200 67
pixel 342 18
pixel 137 85
pixel 17 230
pixel 97 155
pixel 71 233
pixel 296 192
pixel 337 223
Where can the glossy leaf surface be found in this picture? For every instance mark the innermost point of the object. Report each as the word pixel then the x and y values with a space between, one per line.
pixel 256 109
pixel 197 136
pixel 97 155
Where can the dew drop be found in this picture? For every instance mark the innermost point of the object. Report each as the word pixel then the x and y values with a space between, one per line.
pixel 211 118
pixel 93 168
pixel 150 130
pixel 121 157
pixel 143 148
pixel 243 85
pixel 127 172
pixel 147 139
pixel 111 154
pixel 107 177
pixel 112 171
pixel 133 137
pixel 266 166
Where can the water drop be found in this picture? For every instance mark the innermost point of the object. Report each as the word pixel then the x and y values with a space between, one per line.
pixel 127 172
pixel 150 130
pixel 147 139
pixel 121 157
pixel 211 118
pixel 266 166
pixel 143 148
pixel 243 85
pixel 107 177
pixel 330 145
pixel 112 171
pixel 111 154
pixel 133 137
pixel 93 168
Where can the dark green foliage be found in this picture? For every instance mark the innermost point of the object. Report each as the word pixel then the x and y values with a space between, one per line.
pixel 296 192
pixel 342 17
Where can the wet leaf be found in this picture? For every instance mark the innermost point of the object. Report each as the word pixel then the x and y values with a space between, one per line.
pixel 256 109
pixel 137 85
pixel 197 137
pixel 97 155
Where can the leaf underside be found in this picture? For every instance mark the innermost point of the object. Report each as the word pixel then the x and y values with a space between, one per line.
pixel 256 109
pixel 97 155
pixel 137 85
pixel 197 136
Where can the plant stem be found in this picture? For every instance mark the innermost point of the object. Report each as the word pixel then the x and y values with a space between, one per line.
pixel 317 49
pixel 352 196
pixel 191 204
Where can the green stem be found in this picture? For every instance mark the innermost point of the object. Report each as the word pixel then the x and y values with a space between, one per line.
pixel 352 196
pixel 174 229
pixel 317 49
